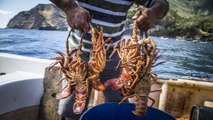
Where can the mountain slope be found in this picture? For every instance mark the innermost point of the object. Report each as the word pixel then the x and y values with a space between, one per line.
pixel 189 19
pixel 186 19
pixel 42 16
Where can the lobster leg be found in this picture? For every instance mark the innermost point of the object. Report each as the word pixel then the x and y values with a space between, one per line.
pixel 155 91
pixel 126 97
pixel 107 48
pixel 113 52
pixel 153 101
pixel 60 81
pixel 116 68
pixel 65 92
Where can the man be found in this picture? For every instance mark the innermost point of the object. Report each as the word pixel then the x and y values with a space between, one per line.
pixel 111 15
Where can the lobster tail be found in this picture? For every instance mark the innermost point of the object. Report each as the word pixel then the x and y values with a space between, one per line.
pixel 141 106
pixel 74 71
pixel 80 98
pixel 79 104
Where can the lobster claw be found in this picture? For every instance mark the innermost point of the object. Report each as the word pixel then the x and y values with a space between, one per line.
pixel 114 83
pixel 117 83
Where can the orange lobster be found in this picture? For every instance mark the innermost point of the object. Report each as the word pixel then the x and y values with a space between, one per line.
pixel 137 58
pixel 97 58
pixel 74 70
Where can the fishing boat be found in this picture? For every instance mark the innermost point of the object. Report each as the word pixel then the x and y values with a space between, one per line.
pixel 21 86
pixel 26 86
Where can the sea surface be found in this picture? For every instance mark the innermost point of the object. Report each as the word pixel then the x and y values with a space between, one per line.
pixel 184 58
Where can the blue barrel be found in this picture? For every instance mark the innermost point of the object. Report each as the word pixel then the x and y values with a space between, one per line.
pixel 115 111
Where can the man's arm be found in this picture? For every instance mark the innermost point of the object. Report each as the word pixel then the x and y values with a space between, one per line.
pixel 147 16
pixel 160 8
pixel 77 17
pixel 64 4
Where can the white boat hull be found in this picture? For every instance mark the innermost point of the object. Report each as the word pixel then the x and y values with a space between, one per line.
pixel 21 86
pixel 21 90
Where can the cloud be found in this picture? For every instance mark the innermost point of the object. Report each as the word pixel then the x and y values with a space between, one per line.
pixel 4 12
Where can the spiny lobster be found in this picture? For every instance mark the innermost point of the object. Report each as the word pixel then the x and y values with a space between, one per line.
pixel 74 70
pixel 137 58
pixel 97 59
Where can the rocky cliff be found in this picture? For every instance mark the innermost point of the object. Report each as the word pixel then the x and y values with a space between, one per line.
pixel 42 17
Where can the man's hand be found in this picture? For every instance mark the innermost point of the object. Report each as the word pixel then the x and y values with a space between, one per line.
pixel 146 17
pixel 78 18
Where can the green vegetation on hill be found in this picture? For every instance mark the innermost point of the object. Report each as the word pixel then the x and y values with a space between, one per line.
pixel 183 8
pixel 190 19
pixel 195 27
pixel 187 19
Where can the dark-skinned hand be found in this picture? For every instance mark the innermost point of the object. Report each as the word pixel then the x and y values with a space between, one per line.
pixel 78 18
pixel 145 18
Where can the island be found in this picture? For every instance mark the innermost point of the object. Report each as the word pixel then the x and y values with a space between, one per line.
pixel 42 17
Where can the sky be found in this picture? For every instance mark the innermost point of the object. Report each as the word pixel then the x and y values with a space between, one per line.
pixel 9 8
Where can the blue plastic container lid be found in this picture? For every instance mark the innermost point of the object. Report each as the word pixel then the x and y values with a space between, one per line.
pixel 115 111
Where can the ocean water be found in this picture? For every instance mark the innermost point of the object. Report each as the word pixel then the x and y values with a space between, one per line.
pixel 184 58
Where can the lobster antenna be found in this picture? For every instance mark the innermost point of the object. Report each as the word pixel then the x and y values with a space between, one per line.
pixel 67 42
pixel 80 42
pixel 134 31
pixel 90 25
